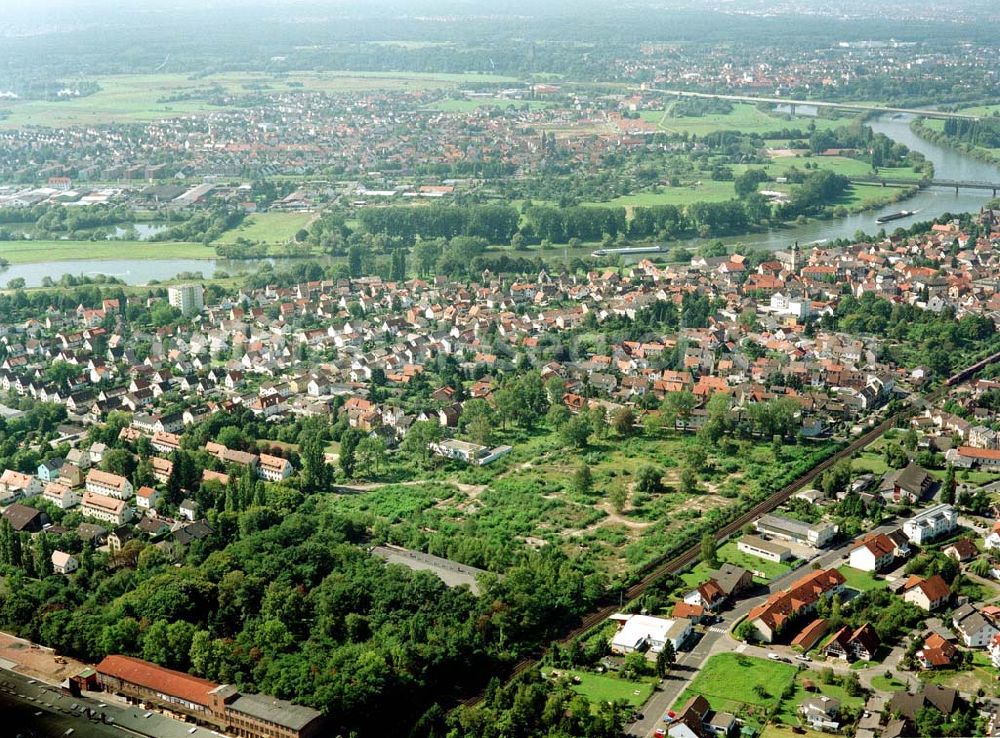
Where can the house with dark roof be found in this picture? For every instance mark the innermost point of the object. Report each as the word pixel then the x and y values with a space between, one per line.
pixel 961 550
pixel 910 484
pixel 974 628
pixel 933 696
pixel 852 645
pixel 24 518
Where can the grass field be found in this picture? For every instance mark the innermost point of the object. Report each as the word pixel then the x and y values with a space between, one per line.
pixel 745 686
pixel 273 228
pixel 705 190
pixel 33 252
pixel 137 98
pixel 600 688
pixel 862 581
pixel 743 117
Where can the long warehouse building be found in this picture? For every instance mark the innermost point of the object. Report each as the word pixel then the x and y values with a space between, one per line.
pixel 221 706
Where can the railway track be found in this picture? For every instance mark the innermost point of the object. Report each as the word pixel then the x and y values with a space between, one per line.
pixel 679 562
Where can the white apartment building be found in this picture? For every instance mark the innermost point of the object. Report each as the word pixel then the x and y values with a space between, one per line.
pixel 930 524
pixel 106 508
pixel 111 485
pixel 188 298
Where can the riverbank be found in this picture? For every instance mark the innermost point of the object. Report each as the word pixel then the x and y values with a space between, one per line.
pixel 37 252
pixel 939 137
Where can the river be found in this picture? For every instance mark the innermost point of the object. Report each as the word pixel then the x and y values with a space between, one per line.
pixel 929 203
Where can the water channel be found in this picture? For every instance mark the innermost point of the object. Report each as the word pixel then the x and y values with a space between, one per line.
pixel 929 203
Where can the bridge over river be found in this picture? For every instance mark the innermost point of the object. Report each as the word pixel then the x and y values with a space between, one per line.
pixel 955 183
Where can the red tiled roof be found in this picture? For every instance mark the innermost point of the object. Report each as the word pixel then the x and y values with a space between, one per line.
pixel 151 676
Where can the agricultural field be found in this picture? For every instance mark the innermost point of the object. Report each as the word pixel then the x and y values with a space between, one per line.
pixel 270 228
pixel 528 499
pixel 33 252
pixel 743 117
pixel 601 688
pixel 138 98
pixel 745 686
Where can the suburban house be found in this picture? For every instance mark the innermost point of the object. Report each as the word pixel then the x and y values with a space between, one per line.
pixel 274 468
pixel 771 617
pixel 111 485
pixel 60 495
pixel 992 539
pixel 872 553
pixel 810 635
pixel 973 627
pixel 793 530
pixel 15 485
pixel 994 649
pixel 932 523
pixel 708 595
pixel 146 498
pixel 188 509
pixel 936 653
pixel 821 712
pixel 763 549
pixel 961 550
pixel 64 563
pixel 642 632
pixel 851 645
pixel 927 594
pixel 697 719
pixel 943 699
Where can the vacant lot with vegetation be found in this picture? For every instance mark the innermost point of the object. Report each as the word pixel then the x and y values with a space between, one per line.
pixel 745 686
pixel 636 509
pixel 602 688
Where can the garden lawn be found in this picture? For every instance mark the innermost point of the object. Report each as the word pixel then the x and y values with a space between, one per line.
pixel 601 688
pixel 862 581
pixel 887 685
pixel 730 681
pixel 36 252
pixel 789 706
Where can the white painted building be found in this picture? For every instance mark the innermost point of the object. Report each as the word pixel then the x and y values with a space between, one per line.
pixel 932 523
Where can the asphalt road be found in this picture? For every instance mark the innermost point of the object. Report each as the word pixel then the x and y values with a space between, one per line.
pixel 715 640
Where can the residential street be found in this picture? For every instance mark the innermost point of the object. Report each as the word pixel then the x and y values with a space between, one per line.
pixel 717 639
